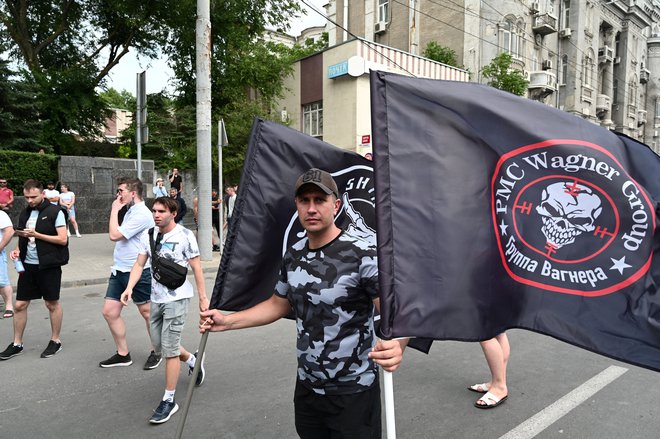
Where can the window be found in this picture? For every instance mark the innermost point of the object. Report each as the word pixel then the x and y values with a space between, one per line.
pixel 567 13
pixel 383 10
pixel 563 71
pixel 511 38
pixel 657 108
pixel 313 119
pixel 551 7
pixel 632 91
pixel 588 68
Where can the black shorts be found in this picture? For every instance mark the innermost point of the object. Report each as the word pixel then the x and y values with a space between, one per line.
pixel 355 416
pixel 38 284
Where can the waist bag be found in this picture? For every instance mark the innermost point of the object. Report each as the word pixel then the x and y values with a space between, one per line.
pixel 165 271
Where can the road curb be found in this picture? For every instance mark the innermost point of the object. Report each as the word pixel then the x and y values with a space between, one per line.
pixel 76 283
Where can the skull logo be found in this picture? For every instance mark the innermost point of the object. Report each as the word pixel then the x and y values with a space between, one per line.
pixel 567 209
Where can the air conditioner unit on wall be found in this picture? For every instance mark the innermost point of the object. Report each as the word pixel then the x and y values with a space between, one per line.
pixel 534 7
pixel 617 60
pixel 546 65
pixel 380 27
pixel 565 33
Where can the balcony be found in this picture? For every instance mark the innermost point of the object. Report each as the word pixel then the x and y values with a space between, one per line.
pixel 541 84
pixel 603 103
pixel 605 55
pixel 544 24
pixel 644 76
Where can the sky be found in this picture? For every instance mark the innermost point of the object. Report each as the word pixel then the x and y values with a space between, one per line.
pixel 123 75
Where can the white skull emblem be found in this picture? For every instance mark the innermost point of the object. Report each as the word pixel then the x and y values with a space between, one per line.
pixel 567 209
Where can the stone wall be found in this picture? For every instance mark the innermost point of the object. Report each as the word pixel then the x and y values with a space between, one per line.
pixel 94 181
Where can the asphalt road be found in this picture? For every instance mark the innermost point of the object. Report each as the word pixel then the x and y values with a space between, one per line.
pixel 556 390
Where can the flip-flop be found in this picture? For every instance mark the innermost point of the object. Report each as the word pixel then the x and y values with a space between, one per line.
pixel 479 388
pixel 8 314
pixel 490 401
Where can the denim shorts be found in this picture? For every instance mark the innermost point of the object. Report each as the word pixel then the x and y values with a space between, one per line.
pixel 119 280
pixel 4 275
pixel 167 322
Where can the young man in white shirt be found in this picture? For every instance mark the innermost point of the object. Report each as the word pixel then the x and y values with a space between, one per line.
pixel 127 239
pixel 170 306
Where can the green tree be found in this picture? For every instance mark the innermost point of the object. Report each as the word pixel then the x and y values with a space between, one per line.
pixel 118 99
pixel 500 75
pixel 19 123
pixel 442 54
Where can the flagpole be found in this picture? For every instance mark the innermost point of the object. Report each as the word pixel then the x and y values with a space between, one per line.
pixel 388 387
pixel 191 385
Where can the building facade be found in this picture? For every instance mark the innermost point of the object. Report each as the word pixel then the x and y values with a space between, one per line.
pixel 597 59
pixel 328 94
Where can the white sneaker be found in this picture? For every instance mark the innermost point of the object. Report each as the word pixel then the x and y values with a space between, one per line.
pixel 68 234
pixel 78 235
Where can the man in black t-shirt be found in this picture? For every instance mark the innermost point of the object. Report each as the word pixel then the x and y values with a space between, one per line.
pixel 176 181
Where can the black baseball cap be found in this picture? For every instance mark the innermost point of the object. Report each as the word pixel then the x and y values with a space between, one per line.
pixel 319 178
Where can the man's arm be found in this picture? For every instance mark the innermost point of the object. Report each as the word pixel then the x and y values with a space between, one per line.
pixel 7 234
pixel 196 266
pixel 388 354
pixel 261 314
pixel 113 226
pixel 134 277
pixel 59 239
pixel 11 199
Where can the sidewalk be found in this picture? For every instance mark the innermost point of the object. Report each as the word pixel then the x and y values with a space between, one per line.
pixel 90 259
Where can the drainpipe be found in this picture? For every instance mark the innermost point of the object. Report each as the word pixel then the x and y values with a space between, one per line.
pixel 345 20
pixel 412 28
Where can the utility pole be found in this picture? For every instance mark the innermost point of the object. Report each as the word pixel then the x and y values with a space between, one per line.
pixel 142 131
pixel 203 71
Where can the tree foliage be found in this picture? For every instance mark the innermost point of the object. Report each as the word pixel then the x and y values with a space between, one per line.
pixel 442 54
pixel 19 124
pixel 500 75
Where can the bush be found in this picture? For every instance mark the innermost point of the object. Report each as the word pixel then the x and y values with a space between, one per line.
pixel 17 166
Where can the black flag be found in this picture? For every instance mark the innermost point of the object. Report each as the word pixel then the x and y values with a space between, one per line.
pixel 264 221
pixel 498 212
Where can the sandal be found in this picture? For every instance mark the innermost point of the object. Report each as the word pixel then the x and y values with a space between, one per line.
pixel 479 388
pixel 9 313
pixel 490 401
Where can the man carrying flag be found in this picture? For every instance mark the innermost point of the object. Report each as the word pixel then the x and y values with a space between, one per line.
pixel 330 281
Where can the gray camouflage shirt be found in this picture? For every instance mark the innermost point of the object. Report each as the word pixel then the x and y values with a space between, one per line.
pixel 331 291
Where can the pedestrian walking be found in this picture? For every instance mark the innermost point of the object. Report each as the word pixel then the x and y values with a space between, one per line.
pixel 169 306
pixel 6 233
pixel 43 248
pixel 126 236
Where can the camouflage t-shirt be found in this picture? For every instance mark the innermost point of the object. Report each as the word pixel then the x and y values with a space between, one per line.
pixel 331 291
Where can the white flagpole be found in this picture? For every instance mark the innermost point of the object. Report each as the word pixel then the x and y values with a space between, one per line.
pixel 388 387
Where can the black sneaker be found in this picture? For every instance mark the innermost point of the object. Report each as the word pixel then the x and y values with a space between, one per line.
pixel 11 351
pixel 52 348
pixel 117 360
pixel 202 373
pixel 153 361
pixel 164 412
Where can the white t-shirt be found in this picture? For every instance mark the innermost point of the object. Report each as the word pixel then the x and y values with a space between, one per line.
pixel 180 246
pixel 5 222
pixel 31 255
pixel 67 196
pixel 50 193
pixel 137 220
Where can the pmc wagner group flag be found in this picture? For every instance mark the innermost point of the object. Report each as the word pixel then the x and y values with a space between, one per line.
pixel 498 212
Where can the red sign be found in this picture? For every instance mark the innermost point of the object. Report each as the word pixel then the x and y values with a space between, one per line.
pixel 366 139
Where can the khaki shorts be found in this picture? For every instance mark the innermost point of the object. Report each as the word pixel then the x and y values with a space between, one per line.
pixel 167 322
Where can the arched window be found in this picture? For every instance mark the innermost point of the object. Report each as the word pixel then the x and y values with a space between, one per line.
pixel 511 37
